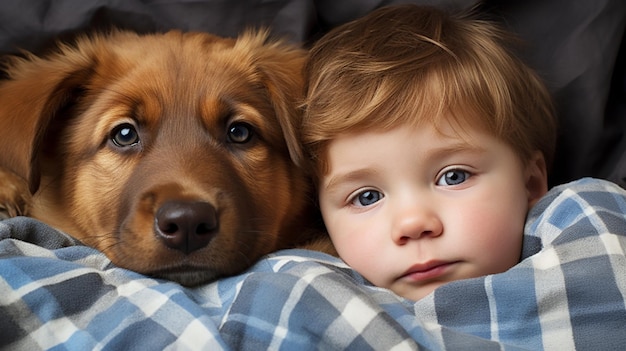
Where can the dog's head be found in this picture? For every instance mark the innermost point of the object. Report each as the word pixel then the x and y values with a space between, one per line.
pixel 173 153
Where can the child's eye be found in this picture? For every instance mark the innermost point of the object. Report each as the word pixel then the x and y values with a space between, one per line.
pixel 453 177
pixel 366 198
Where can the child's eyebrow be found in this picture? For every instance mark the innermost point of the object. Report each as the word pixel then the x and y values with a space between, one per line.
pixel 348 177
pixel 431 155
pixel 453 148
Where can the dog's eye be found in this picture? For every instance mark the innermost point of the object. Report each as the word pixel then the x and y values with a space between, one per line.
pixel 239 132
pixel 125 135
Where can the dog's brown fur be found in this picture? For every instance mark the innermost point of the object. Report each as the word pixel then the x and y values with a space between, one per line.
pixel 192 197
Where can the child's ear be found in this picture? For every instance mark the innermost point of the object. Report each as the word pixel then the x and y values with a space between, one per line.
pixel 536 175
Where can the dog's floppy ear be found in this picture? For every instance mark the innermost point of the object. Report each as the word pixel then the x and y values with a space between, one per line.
pixel 281 64
pixel 36 90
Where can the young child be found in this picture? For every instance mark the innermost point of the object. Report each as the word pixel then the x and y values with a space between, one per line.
pixel 429 143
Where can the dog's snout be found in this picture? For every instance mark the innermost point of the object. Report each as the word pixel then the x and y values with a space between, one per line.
pixel 186 226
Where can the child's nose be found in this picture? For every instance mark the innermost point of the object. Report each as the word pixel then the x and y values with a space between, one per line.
pixel 415 223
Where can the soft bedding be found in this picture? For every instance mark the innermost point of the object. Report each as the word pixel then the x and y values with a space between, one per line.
pixel 568 292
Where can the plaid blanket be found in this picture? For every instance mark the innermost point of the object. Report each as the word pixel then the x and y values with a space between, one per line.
pixel 568 292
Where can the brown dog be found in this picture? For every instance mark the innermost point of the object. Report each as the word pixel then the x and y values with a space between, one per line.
pixel 171 153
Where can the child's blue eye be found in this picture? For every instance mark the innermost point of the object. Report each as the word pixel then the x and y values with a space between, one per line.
pixel 453 177
pixel 367 198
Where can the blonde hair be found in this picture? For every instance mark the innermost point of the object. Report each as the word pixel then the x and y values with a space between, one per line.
pixel 411 64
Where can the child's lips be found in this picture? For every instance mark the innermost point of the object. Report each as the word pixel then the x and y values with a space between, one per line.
pixel 428 270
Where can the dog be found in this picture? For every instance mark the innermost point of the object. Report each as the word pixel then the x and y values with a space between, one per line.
pixel 172 153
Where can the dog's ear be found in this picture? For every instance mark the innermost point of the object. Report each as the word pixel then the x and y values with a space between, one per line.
pixel 281 65
pixel 36 90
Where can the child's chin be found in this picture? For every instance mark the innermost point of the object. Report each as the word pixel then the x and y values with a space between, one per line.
pixel 417 293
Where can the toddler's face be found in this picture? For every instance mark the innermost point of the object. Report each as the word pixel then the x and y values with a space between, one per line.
pixel 414 208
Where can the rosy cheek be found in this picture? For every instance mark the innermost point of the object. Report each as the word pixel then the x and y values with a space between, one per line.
pixel 351 244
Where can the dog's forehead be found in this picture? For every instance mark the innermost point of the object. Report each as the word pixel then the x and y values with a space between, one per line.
pixel 201 52
pixel 184 66
pixel 201 83
pixel 212 90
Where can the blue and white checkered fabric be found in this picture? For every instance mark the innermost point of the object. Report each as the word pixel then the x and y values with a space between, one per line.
pixel 568 292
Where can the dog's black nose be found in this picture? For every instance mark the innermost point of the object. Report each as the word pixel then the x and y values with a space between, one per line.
pixel 186 226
